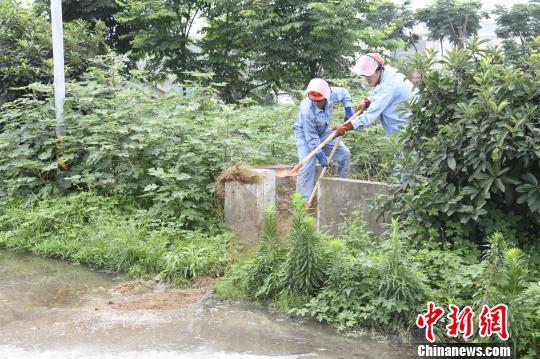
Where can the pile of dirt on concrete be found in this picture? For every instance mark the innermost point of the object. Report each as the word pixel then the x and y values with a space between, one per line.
pixel 236 173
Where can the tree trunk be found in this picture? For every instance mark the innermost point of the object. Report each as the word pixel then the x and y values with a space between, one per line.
pixel 312 70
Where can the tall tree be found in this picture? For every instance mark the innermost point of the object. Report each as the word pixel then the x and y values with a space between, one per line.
pixel 400 18
pixel 93 10
pixel 161 34
pixel 522 21
pixel 226 48
pixel 298 40
pixel 26 48
pixel 282 43
pixel 452 20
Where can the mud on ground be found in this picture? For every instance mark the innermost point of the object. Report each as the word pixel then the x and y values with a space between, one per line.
pixel 137 295
pixel 284 209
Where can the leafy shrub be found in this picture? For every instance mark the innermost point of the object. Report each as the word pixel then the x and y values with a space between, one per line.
pixel 304 267
pixel 476 146
pixel 188 259
pixel 380 287
pixel 265 272
pixel 508 279
pixel 402 286
pixel 372 152
pixel 453 275
pixel 258 277
pixel 284 278
pixel 163 152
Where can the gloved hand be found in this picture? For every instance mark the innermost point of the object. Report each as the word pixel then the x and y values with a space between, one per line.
pixel 348 113
pixel 341 129
pixel 363 105
pixel 321 157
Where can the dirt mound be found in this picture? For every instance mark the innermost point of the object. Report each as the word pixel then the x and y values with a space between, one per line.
pixel 236 173
pixel 170 299
pixel 204 282
pixel 140 295
pixel 133 287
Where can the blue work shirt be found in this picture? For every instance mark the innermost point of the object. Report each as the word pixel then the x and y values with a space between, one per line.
pixel 313 122
pixel 386 99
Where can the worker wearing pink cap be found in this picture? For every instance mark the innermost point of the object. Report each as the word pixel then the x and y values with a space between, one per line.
pixel 390 90
pixel 312 127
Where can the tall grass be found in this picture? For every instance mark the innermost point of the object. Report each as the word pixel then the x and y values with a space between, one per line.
pixel 97 231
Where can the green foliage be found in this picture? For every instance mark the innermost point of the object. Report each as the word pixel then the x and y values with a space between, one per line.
pixel 507 280
pixel 377 287
pixel 264 280
pixel 164 152
pixel 285 279
pixel 399 18
pixel 521 21
pixel 373 153
pixel 94 11
pixel 258 277
pixel 401 287
pixel 225 48
pixel 106 233
pixel 188 259
pixel 160 34
pixel 304 267
pixel 453 275
pixel 476 144
pixel 452 20
pixel 26 43
pixel 261 46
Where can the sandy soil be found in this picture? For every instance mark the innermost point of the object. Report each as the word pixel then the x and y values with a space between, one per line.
pixel 137 295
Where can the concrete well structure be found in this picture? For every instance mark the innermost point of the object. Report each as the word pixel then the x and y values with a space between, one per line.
pixel 339 197
pixel 245 203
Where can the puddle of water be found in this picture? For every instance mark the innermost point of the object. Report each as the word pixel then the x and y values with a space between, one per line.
pixel 51 309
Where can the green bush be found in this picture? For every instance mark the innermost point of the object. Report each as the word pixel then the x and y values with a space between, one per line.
pixel 260 276
pixel 380 287
pixel 285 278
pixel 508 279
pixel 304 267
pixel 162 152
pixel 475 143
pixel 373 153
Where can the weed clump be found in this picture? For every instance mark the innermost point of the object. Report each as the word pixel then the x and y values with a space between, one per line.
pixel 236 173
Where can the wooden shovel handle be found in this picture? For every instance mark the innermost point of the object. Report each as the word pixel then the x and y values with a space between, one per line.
pixel 323 172
pixel 324 143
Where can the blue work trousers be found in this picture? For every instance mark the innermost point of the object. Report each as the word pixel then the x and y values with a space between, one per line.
pixel 342 156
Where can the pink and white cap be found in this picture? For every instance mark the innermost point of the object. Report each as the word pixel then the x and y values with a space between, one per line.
pixel 318 90
pixel 368 64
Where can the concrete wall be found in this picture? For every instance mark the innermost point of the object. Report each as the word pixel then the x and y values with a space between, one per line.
pixel 336 200
pixel 245 203
pixel 339 197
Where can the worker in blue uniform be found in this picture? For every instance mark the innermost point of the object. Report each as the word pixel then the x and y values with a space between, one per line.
pixel 390 90
pixel 312 127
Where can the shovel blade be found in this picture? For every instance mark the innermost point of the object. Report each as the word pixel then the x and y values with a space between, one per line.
pixel 293 172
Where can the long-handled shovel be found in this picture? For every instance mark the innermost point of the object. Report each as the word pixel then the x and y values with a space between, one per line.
pixel 323 172
pixel 294 171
